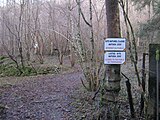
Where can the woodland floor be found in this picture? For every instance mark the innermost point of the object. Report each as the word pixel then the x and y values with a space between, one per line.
pixel 40 98
pixel 57 97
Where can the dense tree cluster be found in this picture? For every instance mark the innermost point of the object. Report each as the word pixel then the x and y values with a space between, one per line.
pixel 45 27
pixel 152 26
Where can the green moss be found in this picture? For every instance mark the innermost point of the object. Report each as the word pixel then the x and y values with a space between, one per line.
pixel 3 58
pixel 28 71
pixel 9 68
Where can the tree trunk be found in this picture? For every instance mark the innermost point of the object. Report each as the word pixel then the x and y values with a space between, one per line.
pixel 112 84
pixel 78 35
pixel 91 31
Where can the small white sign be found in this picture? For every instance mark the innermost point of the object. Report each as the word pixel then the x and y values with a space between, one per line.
pixel 114 57
pixel 115 44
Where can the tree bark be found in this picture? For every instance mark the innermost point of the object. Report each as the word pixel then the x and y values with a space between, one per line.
pixel 112 84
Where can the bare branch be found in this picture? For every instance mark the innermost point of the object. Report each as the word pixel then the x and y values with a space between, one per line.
pixel 78 3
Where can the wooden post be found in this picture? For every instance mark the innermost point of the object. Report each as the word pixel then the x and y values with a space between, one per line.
pixel 154 73
pixel 128 85
pixel 157 83
pixel 143 82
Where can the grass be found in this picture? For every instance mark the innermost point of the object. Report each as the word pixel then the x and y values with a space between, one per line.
pixel 10 75
pixel 8 68
pixel 11 70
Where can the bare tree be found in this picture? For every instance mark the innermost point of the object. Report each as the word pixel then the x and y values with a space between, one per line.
pixel 16 30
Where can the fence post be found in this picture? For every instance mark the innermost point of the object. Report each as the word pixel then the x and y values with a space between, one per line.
pixel 157 97
pixel 153 84
pixel 143 82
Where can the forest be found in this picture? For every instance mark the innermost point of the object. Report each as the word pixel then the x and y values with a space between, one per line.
pixel 52 63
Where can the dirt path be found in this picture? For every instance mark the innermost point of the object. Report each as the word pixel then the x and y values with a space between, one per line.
pixel 41 98
pixel 58 97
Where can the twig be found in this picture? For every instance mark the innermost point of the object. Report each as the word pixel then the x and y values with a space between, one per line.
pixel 95 94
pixel 85 85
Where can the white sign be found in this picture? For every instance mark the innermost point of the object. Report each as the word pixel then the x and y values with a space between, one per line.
pixel 115 44
pixel 114 57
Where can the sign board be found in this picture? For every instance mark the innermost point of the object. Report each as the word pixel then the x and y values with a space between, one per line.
pixel 115 44
pixel 114 57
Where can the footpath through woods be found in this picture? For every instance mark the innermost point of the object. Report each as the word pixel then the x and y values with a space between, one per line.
pixel 61 97
pixel 40 98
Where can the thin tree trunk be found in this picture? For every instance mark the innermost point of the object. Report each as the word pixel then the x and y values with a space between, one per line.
pixel 78 36
pixel 91 31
